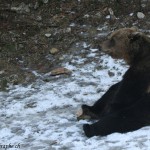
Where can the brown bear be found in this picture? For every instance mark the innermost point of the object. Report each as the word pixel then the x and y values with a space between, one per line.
pixel 126 105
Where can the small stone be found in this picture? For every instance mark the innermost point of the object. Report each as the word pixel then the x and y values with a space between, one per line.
pixel 31 105
pixel 17 130
pixel 39 18
pixel 86 16
pixel 72 24
pixel 21 8
pixel 68 30
pixel 111 74
pixel 61 58
pixel 45 1
pixel 143 5
pixel 98 14
pixel 131 14
pixel 111 11
pixel 59 71
pixel 140 15
pixel 21 46
pixel 48 35
pixel 2 72
pixel 54 51
pixel 108 17
pixel 36 6
pixel 27 9
pixel 30 5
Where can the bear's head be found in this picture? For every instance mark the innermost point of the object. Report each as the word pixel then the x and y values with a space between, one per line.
pixel 127 44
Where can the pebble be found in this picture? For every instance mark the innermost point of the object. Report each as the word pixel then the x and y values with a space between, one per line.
pixel 21 8
pixel 108 17
pixel 39 18
pixel 54 51
pixel 36 6
pixel 17 130
pixel 2 72
pixel 131 14
pixel 45 1
pixel 98 14
pixel 111 74
pixel 140 15
pixel 48 35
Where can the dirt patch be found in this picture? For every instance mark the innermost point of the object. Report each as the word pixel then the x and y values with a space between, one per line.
pixel 29 30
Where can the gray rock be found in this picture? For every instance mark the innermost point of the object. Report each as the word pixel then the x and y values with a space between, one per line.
pixel 31 105
pixel 140 15
pixel 21 8
pixel 17 130
pixel 36 6
pixel 45 1
pixel 54 50
pixel 48 35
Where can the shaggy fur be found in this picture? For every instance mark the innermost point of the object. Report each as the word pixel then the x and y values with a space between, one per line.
pixel 126 105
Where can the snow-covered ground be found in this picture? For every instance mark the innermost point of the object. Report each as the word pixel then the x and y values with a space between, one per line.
pixel 42 116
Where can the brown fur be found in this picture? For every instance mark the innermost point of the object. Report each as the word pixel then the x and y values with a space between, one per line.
pixel 128 44
pixel 126 105
pixel 132 46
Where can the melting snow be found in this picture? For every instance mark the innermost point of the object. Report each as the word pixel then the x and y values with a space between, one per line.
pixel 43 115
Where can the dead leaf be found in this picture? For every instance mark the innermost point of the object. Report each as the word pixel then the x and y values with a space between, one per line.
pixel 59 71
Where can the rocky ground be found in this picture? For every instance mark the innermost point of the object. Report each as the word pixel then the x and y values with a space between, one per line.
pixel 35 34
pixel 50 64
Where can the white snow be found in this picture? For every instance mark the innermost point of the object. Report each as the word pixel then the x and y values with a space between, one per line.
pixel 43 115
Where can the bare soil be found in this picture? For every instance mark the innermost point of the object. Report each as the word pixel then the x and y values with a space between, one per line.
pixel 30 29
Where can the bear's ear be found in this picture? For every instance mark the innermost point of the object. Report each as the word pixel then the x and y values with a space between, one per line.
pixel 134 36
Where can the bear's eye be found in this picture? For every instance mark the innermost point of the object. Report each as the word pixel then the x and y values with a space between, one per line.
pixel 111 42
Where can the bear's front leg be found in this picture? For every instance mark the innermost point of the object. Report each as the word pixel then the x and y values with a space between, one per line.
pixel 100 108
